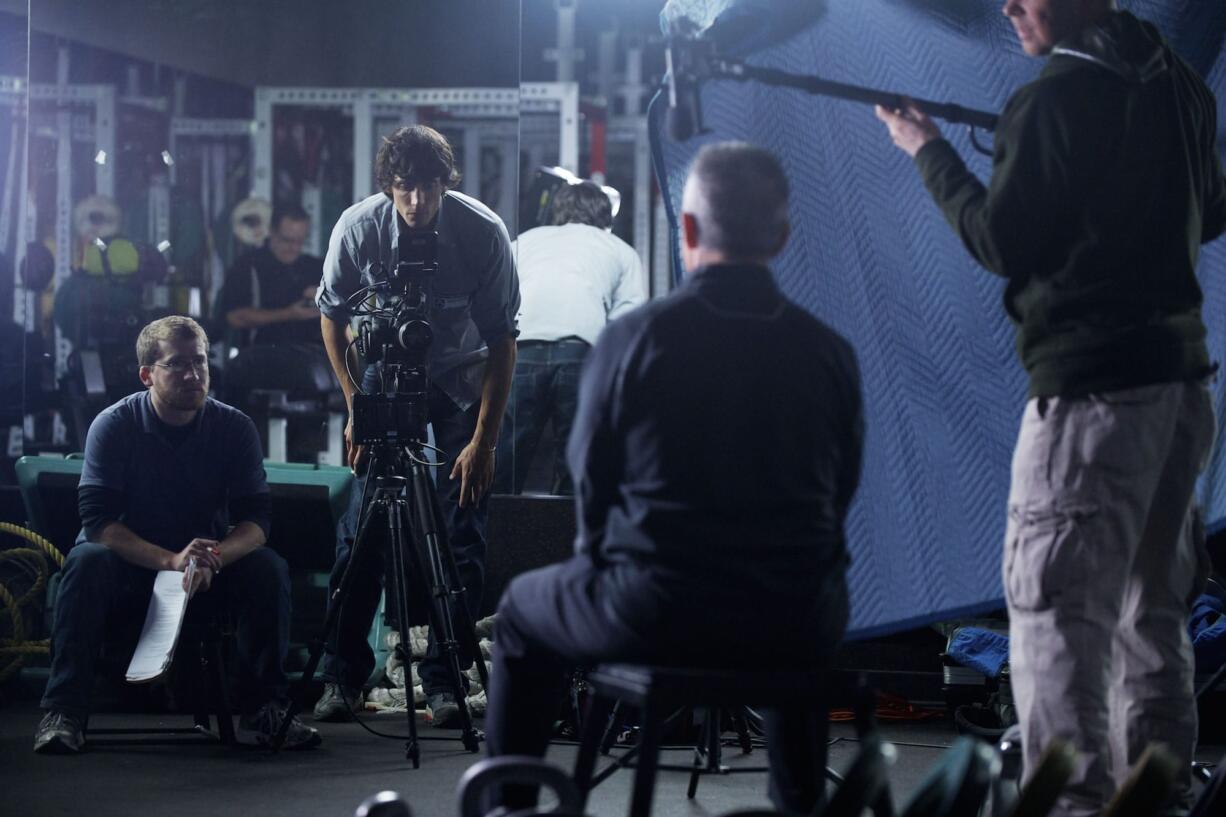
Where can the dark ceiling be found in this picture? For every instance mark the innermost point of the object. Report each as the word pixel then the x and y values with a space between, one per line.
pixel 358 43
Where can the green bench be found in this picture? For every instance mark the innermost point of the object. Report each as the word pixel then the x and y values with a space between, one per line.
pixel 307 501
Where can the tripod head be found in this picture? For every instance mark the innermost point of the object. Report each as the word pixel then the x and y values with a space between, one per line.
pixel 396 336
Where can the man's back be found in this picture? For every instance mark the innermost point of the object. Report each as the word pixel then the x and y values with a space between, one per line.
pixel 719 438
pixel 573 279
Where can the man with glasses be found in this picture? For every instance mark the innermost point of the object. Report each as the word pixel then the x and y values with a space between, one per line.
pixel 269 294
pixel 171 476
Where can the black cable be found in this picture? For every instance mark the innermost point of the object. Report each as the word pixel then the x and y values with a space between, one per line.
pixel 444 460
pixel 975 141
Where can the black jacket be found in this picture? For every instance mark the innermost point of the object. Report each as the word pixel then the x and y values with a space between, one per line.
pixel 717 444
pixel 1106 180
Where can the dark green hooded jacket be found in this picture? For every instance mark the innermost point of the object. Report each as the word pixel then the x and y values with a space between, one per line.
pixel 1106 180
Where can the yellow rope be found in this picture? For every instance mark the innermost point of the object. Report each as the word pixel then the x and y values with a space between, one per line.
pixel 39 561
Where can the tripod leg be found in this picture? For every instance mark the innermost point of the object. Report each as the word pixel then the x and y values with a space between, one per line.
pixel 448 604
pixel 335 604
pixel 396 540
pixel 432 510
pixel 443 627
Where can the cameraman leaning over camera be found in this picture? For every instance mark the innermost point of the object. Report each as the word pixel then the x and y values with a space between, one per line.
pixel 476 296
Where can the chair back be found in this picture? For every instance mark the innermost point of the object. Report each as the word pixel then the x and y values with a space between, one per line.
pixel 1148 785
pixel 865 782
pixel 482 779
pixel 958 785
pixel 49 490
pixel 302 371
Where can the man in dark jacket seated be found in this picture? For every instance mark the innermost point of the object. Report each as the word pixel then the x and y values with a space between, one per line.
pixel 714 453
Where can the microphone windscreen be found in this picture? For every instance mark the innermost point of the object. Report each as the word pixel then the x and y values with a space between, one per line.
pixel 680 122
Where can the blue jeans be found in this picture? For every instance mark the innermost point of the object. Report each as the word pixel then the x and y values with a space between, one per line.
pixel 546 387
pixel 349 659
pixel 98 590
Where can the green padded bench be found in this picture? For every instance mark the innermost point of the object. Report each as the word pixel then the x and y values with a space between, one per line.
pixel 307 500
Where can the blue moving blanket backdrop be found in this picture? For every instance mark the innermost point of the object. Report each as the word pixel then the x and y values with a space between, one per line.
pixel 871 255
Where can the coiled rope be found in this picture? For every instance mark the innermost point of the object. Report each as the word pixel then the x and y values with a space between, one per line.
pixel 38 562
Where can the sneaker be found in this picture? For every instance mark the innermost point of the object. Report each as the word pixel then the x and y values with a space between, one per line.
pixel 443 711
pixel 59 734
pixel 337 704
pixel 260 728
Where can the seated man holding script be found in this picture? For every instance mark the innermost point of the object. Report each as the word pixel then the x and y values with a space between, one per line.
pixel 172 479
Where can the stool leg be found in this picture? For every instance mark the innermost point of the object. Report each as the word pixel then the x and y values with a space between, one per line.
pixel 594 726
pixel 225 722
pixel 200 686
pixel 741 724
pixel 711 731
pixel 616 720
pixel 649 759
pixel 703 739
pixel 715 728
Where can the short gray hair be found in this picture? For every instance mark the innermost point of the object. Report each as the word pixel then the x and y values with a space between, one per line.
pixel 742 206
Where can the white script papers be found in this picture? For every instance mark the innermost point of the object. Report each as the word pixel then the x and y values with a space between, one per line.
pixel 164 618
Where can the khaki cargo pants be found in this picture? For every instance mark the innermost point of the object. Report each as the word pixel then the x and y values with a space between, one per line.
pixel 1103 556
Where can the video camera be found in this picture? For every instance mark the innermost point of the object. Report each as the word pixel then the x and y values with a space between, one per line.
pixel 397 336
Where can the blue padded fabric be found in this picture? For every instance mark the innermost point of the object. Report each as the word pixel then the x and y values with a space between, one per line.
pixel 872 256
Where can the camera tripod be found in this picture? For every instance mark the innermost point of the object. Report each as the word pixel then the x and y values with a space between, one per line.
pixel 417 543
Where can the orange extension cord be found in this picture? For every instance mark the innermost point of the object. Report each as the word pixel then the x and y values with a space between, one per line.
pixel 890 708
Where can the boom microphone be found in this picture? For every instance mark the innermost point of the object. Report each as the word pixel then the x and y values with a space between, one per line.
pixel 684 115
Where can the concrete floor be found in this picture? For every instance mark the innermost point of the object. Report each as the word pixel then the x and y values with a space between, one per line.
pixel 351 764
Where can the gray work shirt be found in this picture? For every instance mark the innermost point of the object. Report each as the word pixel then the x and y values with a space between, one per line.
pixel 476 291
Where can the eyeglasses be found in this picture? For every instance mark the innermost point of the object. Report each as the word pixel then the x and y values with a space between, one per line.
pixel 183 366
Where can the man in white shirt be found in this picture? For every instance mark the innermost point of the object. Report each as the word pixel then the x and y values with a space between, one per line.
pixel 575 276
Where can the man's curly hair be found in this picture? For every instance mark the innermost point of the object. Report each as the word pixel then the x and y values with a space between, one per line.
pixel 583 203
pixel 415 152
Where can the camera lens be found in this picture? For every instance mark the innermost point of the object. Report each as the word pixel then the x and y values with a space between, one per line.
pixel 416 335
